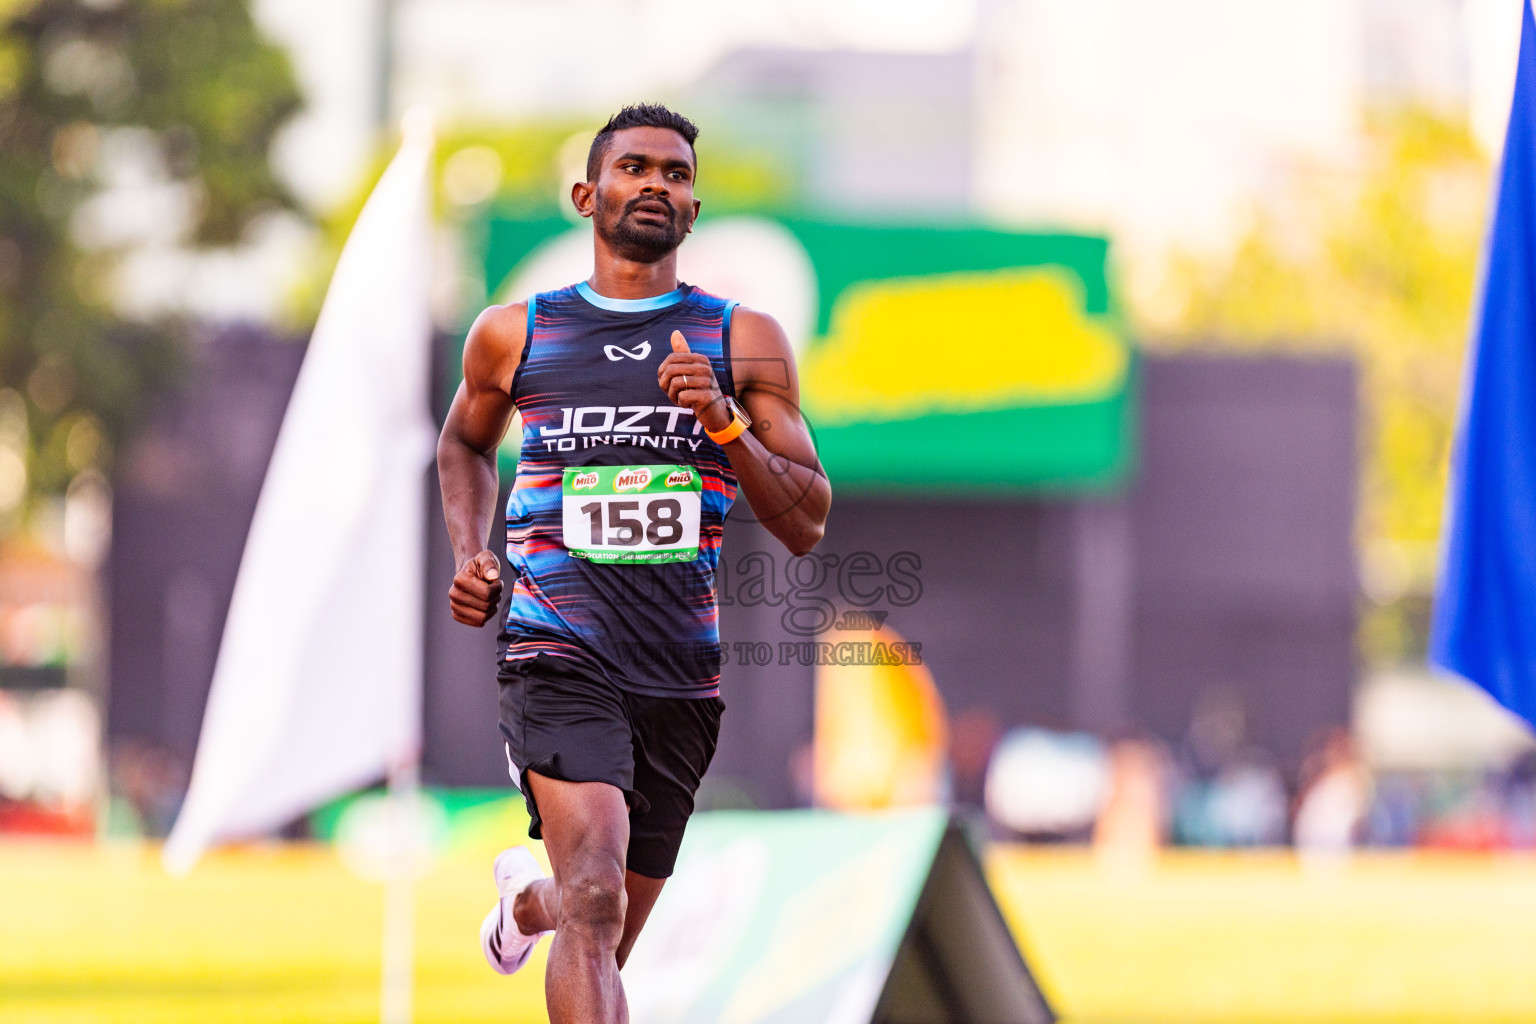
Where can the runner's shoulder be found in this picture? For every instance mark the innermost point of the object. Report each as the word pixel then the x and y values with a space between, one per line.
pixel 754 326
pixel 495 344
pixel 501 326
pixel 757 339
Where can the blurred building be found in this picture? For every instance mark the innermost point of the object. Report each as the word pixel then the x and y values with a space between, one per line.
pixel 1160 123
pixel 186 492
pixel 870 133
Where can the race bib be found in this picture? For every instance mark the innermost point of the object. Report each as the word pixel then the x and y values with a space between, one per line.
pixel 632 513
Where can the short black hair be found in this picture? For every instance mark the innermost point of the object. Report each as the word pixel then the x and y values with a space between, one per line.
pixel 639 115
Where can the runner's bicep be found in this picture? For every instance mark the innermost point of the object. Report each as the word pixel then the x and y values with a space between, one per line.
pixel 483 407
pixel 478 418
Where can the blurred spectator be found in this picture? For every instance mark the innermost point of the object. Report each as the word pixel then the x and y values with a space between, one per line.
pixel 1455 809
pixel 881 735
pixel 973 736
pixel 802 774
pixel 1222 790
pixel 1133 822
pixel 153 781
pixel 49 764
pixel 1519 790
pixel 16 765
pixel 1393 817
pixel 1218 726
pixel 1247 803
pixel 1244 805
pixel 1047 785
pixel 1335 794
pixel 65 730
pixel 1464 814
pixel 1230 793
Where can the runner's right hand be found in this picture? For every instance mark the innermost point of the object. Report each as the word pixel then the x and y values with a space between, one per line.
pixel 476 591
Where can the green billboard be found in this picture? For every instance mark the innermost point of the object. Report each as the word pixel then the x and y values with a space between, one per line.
pixel 950 359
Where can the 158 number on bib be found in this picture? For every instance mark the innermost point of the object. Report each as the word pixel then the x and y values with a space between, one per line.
pixel 632 513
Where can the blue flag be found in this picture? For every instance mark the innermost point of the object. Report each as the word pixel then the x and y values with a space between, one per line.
pixel 1484 625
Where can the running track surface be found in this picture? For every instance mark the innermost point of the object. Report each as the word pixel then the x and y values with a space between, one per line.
pixel 286 933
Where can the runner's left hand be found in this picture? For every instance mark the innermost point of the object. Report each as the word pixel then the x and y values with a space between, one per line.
pixel 702 393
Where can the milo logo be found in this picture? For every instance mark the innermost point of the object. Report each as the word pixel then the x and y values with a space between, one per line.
pixel 582 481
pixel 632 479
pixel 680 478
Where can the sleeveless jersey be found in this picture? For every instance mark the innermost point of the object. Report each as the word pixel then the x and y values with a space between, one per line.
pixel 587 393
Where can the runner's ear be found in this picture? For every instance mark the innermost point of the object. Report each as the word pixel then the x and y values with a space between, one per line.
pixel 679 343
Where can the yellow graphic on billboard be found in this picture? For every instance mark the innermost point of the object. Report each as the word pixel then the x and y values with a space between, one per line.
pixel 965 342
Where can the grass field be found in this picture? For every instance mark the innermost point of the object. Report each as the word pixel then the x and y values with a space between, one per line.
pixel 1249 938
pixel 285 933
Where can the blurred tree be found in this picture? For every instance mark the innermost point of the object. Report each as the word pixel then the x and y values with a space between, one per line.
pixel 476 167
pixel 1378 263
pixel 159 111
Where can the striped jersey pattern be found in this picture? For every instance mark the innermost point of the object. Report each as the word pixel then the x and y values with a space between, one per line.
pixel 587 393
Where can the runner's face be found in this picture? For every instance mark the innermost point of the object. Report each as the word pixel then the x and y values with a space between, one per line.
pixel 644 201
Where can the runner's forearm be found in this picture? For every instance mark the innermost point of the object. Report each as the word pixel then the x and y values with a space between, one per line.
pixel 469 484
pixel 789 499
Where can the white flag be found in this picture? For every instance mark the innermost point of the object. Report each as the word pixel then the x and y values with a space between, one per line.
pixel 317 687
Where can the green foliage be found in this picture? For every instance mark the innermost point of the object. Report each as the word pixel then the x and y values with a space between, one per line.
pixel 191 85
pixel 1379 264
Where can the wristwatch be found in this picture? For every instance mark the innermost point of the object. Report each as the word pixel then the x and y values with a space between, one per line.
pixel 739 421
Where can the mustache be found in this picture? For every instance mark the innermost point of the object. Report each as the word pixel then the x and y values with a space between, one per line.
pixel 630 206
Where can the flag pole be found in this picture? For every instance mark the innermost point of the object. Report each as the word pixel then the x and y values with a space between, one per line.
pixel 388 14
pixel 398 954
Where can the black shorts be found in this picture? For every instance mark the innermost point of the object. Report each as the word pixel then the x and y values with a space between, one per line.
pixel 563 722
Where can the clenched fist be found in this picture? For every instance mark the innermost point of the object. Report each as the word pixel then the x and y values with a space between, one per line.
pixel 476 591
pixel 689 381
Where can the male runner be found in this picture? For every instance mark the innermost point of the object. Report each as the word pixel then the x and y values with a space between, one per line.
pixel 645 403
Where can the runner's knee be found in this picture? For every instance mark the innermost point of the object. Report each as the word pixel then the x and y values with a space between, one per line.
pixel 592 899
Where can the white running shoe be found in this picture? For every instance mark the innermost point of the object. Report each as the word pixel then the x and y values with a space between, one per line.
pixel 506 948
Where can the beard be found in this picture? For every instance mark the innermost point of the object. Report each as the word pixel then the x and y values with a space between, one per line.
pixel 637 241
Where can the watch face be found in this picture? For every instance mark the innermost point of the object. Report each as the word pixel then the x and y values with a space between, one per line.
pixel 739 410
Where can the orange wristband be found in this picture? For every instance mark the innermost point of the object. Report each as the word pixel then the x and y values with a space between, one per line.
pixel 730 433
